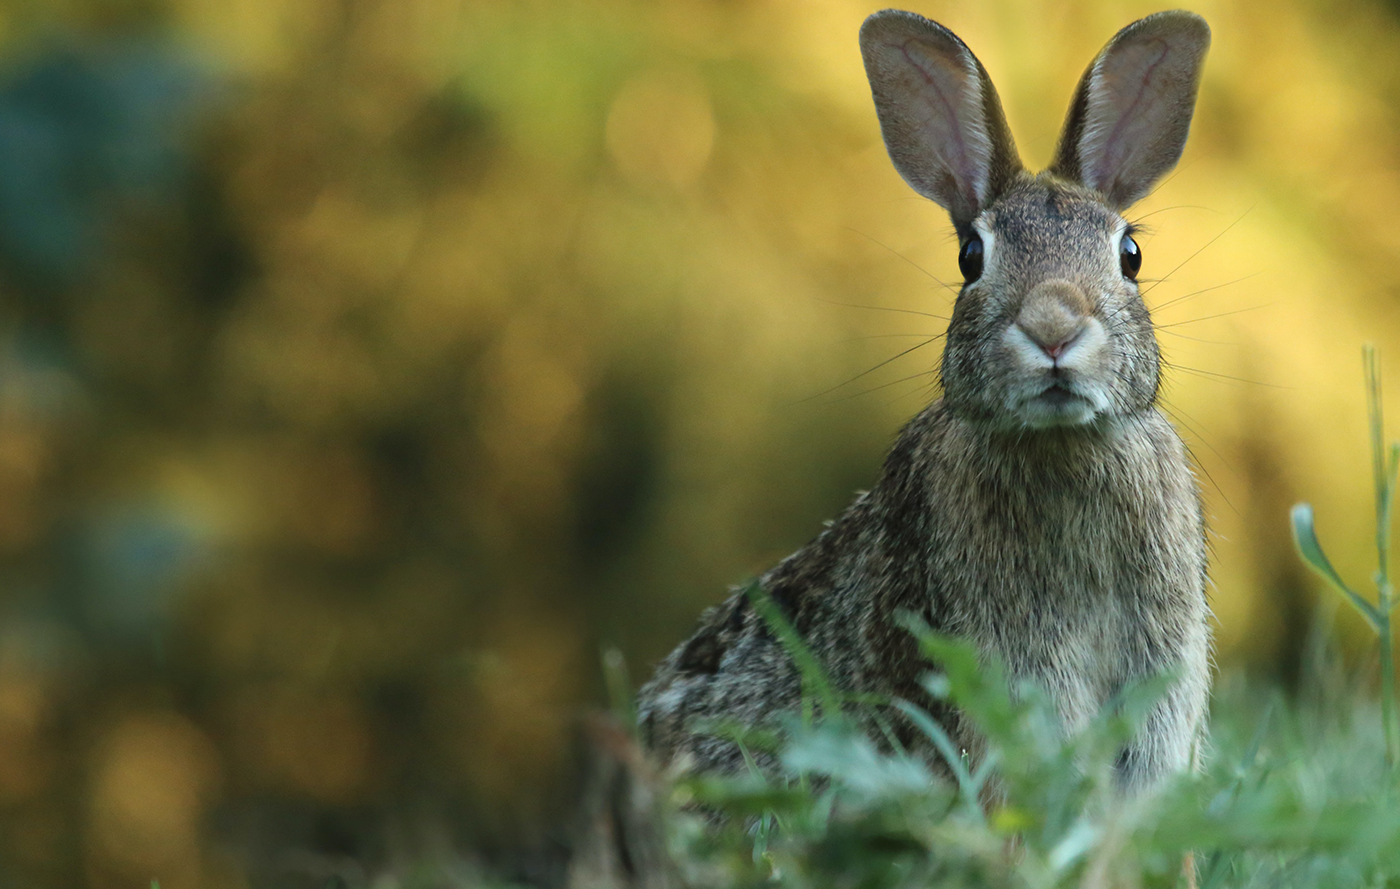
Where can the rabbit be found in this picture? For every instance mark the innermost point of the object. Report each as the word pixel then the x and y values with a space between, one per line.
pixel 1044 508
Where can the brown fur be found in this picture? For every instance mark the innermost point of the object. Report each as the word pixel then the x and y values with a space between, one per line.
pixel 1044 508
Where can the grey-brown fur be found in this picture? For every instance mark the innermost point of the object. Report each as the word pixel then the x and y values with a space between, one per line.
pixel 1044 508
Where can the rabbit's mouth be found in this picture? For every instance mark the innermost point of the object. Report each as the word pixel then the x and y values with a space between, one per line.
pixel 1058 404
pixel 1058 395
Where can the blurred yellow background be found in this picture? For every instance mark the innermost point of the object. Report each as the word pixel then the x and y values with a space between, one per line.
pixel 366 365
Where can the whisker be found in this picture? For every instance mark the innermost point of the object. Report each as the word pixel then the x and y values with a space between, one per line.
pixel 867 372
pixel 1176 207
pixel 882 309
pixel 1172 302
pixel 881 386
pixel 1224 377
pixel 931 275
pixel 908 199
pixel 1196 460
pixel 1196 339
pixel 927 391
pixel 1194 427
pixel 1165 180
pixel 1202 247
pixel 883 336
pixel 1210 317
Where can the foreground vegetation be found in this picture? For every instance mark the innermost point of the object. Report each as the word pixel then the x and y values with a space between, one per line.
pixel 1293 792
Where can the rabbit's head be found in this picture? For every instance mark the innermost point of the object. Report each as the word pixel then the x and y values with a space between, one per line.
pixel 1049 328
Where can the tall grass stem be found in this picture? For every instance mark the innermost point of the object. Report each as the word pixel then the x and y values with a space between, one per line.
pixel 1383 469
pixel 1384 464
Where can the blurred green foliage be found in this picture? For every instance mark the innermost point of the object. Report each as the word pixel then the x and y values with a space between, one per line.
pixel 365 365
pixel 1294 795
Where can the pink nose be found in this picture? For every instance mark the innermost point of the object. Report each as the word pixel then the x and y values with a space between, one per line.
pixel 1058 349
pixel 1054 345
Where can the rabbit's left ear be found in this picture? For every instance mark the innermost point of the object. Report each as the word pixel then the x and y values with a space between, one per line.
pixel 1128 122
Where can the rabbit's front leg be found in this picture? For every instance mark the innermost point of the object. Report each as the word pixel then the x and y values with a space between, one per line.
pixel 1167 741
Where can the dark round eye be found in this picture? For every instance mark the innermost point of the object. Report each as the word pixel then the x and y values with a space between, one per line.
pixel 1130 257
pixel 970 259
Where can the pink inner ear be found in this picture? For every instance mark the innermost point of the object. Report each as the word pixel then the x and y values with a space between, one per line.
pixel 947 90
pixel 1124 98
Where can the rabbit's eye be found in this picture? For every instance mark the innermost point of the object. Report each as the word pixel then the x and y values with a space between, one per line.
pixel 970 259
pixel 1130 257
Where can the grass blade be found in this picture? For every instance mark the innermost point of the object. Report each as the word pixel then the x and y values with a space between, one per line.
pixel 949 750
pixel 814 679
pixel 1305 537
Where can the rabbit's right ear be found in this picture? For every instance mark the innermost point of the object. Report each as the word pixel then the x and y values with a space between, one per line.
pixel 940 116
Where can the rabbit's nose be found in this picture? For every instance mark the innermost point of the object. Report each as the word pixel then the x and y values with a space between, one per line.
pixel 1057 349
pixel 1053 316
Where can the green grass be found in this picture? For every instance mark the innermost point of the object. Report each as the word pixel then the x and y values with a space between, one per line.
pixel 1292 795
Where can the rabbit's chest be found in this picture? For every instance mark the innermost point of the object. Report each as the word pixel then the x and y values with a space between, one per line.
pixel 1078 596
pixel 1075 650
